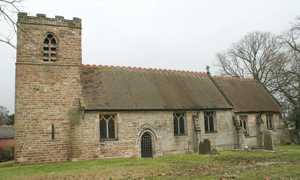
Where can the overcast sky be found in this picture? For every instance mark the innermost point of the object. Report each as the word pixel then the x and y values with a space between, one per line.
pixel 173 34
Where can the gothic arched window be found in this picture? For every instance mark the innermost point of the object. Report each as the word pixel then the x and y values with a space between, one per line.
pixel 179 119
pixel 107 127
pixel 49 48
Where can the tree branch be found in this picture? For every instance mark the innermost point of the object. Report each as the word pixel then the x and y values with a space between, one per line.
pixel 8 42
pixel 6 6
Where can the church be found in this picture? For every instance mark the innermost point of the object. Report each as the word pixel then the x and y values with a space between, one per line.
pixel 66 111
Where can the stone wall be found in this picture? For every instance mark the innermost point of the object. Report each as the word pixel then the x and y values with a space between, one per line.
pixel 255 136
pixel 130 127
pixel 225 137
pixel 47 93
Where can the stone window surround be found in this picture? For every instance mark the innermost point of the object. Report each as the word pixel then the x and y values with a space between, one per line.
pixel 185 123
pixel 49 46
pixel 116 117
pixel 243 120
pixel 214 122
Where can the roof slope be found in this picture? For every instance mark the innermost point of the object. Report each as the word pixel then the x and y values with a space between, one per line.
pixel 7 132
pixel 247 95
pixel 119 88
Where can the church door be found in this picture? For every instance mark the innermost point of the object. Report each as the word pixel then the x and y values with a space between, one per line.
pixel 146 145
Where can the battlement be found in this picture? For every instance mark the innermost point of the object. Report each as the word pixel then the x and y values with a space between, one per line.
pixel 42 19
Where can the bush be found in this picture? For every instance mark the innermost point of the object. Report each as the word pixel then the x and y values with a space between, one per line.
pixel 7 154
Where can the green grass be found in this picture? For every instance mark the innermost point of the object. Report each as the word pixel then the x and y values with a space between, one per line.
pixel 284 163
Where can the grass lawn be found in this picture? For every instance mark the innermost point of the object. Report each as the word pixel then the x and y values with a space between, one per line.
pixel 282 164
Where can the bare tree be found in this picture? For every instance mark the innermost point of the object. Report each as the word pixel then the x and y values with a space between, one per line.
pixel 272 60
pixel 291 86
pixel 8 8
pixel 258 55
pixel 293 36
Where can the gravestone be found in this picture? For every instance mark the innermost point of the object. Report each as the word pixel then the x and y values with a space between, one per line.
pixel 268 141
pixel 205 147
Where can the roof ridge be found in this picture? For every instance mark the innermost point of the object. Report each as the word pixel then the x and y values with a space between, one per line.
pixel 135 68
pixel 233 77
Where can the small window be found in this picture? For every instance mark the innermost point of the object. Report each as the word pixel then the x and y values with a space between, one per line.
pixel 244 124
pixel 179 120
pixel 107 127
pixel 49 48
pixel 52 132
pixel 209 121
pixel 269 119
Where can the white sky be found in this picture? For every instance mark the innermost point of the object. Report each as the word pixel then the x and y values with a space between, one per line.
pixel 173 34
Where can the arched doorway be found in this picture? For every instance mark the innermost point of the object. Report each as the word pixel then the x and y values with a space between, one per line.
pixel 146 145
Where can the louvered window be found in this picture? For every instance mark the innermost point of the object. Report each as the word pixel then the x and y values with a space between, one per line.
pixel 50 48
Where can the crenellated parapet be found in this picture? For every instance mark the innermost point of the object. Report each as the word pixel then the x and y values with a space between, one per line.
pixel 42 19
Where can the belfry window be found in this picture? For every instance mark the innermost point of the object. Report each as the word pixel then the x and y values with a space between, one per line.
pixel 49 48
pixel 107 127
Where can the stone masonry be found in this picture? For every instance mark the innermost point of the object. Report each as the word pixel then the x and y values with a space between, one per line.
pixel 131 126
pixel 47 94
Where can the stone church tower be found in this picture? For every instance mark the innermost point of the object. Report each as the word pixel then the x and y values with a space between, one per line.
pixel 47 87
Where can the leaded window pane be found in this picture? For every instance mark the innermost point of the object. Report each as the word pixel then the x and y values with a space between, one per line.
pixel 111 129
pixel 176 130
pixel 103 129
pixel 206 123
pixel 107 127
pixel 209 121
pixel 179 123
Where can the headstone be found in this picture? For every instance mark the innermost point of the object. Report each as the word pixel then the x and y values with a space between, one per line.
pixel 205 147
pixel 268 141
